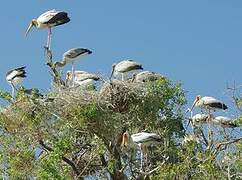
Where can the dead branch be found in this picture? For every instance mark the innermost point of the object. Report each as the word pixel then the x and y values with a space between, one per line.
pixel 54 71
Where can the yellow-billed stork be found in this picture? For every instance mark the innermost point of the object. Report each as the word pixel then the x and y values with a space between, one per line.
pixel 146 76
pixel 199 118
pixel 208 103
pixel 82 78
pixel 225 122
pixel 125 66
pixel 48 20
pixel 142 139
pixel 71 56
pixel 15 77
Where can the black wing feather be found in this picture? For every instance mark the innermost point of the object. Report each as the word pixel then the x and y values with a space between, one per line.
pixel 218 105
pixel 59 19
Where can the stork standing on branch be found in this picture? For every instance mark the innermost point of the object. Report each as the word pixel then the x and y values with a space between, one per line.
pixel 15 77
pixel 142 139
pixel 71 56
pixel 48 20
pixel 208 103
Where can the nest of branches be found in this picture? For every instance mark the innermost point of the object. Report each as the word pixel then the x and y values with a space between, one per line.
pixel 117 95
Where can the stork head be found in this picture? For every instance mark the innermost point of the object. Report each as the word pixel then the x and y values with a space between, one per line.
pixel 195 101
pixel 125 139
pixel 31 24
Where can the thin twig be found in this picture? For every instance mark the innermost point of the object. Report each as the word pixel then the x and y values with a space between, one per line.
pixel 218 146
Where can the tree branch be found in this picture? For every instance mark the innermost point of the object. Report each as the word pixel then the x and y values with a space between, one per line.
pixel 68 161
pixel 218 146
pixel 55 73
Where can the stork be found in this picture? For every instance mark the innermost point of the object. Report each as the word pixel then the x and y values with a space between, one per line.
pixel 48 20
pixel 218 120
pixel 71 56
pixel 15 77
pixel 125 66
pixel 208 103
pixel 225 122
pixel 83 78
pixel 146 76
pixel 142 139
pixel 199 118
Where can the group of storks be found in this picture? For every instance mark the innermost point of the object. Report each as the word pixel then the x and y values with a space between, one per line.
pixel 54 18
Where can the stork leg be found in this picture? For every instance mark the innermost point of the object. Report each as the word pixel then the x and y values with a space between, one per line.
pixel 141 158
pixel 209 121
pixel 122 76
pixel 13 90
pixel 73 74
pixel 49 38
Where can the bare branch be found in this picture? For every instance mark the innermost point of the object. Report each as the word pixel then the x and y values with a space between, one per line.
pixel 55 73
pixel 219 145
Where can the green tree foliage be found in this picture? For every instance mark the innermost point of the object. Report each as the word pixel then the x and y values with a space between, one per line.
pixel 73 133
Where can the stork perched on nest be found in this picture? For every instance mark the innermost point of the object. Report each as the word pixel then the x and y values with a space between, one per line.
pixel 48 20
pixel 82 78
pixel 124 67
pixel 15 77
pixel 145 76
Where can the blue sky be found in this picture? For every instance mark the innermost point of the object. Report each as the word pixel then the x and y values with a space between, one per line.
pixel 196 42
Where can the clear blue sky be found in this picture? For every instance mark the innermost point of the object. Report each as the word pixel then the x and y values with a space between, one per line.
pixel 196 42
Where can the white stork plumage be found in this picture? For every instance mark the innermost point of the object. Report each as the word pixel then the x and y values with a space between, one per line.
pixel 142 139
pixel 15 77
pixel 199 118
pixel 225 122
pixel 208 103
pixel 125 66
pixel 146 76
pixel 218 120
pixel 82 78
pixel 71 56
pixel 48 20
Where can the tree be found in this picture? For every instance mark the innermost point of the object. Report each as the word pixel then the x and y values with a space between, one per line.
pixel 73 133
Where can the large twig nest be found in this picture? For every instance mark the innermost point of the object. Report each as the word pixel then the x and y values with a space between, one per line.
pixel 116 95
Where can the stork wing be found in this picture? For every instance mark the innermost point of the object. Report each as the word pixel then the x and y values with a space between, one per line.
pixel 145 137
pixel 210 100
pixel 222 118
pixel 214 103
pixel 45 17
pixel 85 76
pixel 16 72
pixel 75 52
pixel 59 18
pixel 127 65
